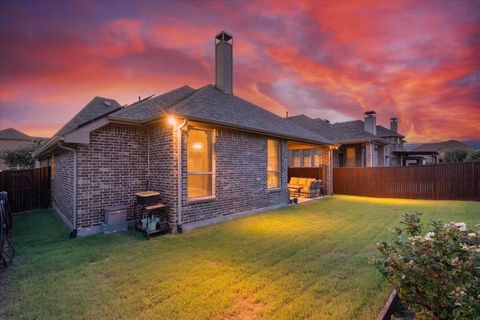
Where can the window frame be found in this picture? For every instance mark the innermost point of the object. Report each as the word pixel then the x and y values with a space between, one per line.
pixel 52 166
pixel 279 165
pixel 202 173
pixel 347 164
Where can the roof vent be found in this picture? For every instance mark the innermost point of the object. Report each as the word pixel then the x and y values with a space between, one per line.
pixel 107 103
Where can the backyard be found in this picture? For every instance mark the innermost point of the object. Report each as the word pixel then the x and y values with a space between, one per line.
pixel 308 261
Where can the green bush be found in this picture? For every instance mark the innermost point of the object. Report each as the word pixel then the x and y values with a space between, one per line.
pixel 437 274
pixel 21 157
pixel 455 156
pixel 473 156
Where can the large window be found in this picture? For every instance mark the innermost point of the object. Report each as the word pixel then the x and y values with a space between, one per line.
pixel 305 158
pixel 273 165
pixel 199 163
pixel 351 157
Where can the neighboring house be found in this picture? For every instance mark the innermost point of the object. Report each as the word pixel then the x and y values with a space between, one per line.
pixel 441 148
pixel 12 139
pixel 210 154
pixel 362 143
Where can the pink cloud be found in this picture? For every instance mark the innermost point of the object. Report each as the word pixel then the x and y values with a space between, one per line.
pixel 415 60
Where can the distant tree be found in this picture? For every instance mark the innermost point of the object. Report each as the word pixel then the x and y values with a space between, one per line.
pixel 473 156
pixel 21 157
pixel 455 156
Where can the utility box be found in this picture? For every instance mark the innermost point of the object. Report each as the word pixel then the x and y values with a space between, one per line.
pixel 115 215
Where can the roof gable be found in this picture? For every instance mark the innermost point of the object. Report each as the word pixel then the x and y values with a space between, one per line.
pixel 14 134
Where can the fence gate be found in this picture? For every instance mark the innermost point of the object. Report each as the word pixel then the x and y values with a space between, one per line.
pixel 27 188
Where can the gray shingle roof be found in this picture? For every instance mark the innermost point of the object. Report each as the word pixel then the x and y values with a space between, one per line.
pixel 95 109
pixel 342 131
pixel 14 134
pixel 351 130
pixel 385 132
pixel 154 106
pixel 316 125
pixel 209 104
pixel 449 144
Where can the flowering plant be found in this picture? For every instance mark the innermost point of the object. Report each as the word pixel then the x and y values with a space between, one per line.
pixel 437 274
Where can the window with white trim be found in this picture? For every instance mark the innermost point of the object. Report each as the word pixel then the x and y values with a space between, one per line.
pixel 199 163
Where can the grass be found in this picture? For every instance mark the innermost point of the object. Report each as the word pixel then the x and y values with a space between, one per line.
pixel 309 261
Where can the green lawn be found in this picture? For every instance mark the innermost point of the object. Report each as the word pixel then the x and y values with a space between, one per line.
pixel 308 261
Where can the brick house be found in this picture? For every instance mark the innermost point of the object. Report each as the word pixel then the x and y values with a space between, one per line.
pixel 211 155
pixel 361 143
pixel 12 139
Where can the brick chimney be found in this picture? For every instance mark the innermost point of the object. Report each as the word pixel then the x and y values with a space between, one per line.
pixel 394 124
pixel 224 62
pixel 370 122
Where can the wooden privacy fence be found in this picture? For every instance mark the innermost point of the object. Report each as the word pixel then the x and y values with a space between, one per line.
pixel 456 181
pixel 308 172
pixel 27 188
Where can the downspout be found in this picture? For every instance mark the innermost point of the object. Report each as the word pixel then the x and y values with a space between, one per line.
pixel 179 176
pixel 73 233
pixel 330 182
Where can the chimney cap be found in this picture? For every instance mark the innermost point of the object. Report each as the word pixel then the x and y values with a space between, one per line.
pixel 224 36
pixel 370 113
pixel 394 119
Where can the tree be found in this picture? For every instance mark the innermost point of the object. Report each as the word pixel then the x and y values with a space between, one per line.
pixel 455 156
pixel 21 157
pixel 473 156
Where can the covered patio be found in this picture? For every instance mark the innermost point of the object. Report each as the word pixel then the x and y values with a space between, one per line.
pixel 309 171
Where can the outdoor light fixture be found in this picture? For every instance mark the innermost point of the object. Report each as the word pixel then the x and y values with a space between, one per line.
pixel 172 121
pixel 197 146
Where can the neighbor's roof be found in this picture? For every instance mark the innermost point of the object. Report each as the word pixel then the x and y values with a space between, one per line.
pixel 342 132
pixel 14 134
pixel 351 130
pixel 449 144
pixel 211 105
pixel 95 109
pixel 385 132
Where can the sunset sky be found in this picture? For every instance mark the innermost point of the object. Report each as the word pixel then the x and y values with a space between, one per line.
pixel 419 61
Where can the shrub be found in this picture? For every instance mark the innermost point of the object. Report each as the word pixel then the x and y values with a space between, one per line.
pixel 21 157
pixel 455 156
pixel 437 274
pixel 473 156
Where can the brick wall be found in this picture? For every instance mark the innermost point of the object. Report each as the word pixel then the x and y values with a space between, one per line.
pixel 114 166
pixel 62 185
pixel 110 170
pixel 326 171
pixel 240 177
pixel 163 174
